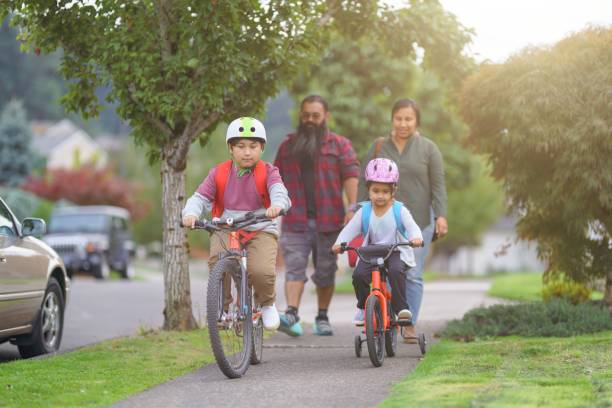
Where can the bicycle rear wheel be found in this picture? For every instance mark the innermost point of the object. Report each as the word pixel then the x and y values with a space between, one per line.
pixel 375 331
pixel 230 325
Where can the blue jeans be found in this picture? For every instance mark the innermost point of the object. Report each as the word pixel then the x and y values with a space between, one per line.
pixel 414 277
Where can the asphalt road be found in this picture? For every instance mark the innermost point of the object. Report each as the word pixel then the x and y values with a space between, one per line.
pixel 100 310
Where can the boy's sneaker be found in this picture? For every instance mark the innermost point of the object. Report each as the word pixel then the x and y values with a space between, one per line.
pixel 269 316
pixel 290 324
pixel 404 316
pixel 322 327
pixel 359 318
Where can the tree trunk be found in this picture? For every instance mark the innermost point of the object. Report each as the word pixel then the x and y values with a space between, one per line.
pixel 178 314
pixel 608 292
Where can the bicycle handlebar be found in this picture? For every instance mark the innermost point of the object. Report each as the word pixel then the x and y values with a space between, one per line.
pixel 358 250
pixel 231 223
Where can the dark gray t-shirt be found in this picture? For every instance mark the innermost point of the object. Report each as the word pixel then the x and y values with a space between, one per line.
pixel 421 183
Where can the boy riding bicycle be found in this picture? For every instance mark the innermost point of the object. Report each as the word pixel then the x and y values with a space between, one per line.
pixel 382 220
pixel 232 188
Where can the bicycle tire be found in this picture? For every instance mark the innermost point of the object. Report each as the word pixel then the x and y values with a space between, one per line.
pixel 391 341
pixel 257 348
pixel 375 337
pixel 233 362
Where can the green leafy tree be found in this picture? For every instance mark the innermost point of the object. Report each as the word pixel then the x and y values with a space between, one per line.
pixel 543 119
pixel 362 78
pixel 33 79
pixel 16 157
pixel 178 68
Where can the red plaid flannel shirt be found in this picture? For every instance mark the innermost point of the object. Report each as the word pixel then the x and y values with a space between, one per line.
pixel 335 163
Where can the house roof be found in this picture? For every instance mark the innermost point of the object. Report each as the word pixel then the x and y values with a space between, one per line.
pixel 47 137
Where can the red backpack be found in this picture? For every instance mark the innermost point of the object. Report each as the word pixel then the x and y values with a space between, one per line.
pixel 223 171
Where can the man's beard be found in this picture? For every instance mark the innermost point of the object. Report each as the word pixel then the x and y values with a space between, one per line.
pixel 308 139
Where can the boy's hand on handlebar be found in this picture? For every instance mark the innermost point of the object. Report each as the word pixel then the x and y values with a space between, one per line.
pixel 273 211
pixel 416 242
pixel 336 249
pixel 189 221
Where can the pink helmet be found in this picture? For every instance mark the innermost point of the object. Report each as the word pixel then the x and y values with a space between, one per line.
pixel 382 171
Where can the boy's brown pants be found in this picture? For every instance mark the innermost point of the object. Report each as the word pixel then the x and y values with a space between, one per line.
pixel 261 263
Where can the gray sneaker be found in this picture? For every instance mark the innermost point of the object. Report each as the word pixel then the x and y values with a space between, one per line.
pixel 322 327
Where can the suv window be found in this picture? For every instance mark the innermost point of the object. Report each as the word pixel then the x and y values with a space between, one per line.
pixel 119 224
pixel 7 228
pixel 69 223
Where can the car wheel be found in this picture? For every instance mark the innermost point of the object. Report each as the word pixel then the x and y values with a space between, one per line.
pixel 101 271
pixel 128 271
pixel 48 326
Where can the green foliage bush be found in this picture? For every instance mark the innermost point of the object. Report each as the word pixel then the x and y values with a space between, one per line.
pixel 22 203
pixel 573 292
pixel 556 318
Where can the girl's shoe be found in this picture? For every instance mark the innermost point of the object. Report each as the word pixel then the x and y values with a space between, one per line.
pixel 359 318
pixel 269 316
pixel 409 334
pixel 404 316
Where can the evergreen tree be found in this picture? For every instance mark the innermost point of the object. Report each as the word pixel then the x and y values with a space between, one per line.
pixel 16 159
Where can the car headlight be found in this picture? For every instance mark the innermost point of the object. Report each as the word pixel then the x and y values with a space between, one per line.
pixel 92 247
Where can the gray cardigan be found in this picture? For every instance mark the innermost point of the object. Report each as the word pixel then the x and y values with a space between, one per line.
pixel 421 183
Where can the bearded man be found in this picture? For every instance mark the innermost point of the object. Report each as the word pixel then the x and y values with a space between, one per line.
pixel 316 165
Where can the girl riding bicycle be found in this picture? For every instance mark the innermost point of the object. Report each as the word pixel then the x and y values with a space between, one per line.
pixel 236 187
pixel 382 220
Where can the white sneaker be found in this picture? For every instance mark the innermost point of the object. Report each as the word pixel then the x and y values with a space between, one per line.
pixel 269 316
pixel 404 315
pixel 359 318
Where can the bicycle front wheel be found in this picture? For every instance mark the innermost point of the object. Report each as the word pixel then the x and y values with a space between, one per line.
pixel 375 331
pixel 230 324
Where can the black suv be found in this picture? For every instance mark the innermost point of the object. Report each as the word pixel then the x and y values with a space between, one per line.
pixel 92 239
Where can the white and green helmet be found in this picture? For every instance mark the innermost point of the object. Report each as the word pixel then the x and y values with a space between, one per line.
pixel 245 127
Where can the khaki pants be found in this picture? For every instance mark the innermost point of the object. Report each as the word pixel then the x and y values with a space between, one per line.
pixel 261 263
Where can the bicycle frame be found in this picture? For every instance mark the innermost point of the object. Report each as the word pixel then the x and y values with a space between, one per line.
pixel 380 290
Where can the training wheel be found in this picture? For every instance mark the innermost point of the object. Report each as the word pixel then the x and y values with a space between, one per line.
pixel 422 343
pixel 358 346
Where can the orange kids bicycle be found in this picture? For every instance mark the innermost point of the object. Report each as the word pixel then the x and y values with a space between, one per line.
pixel 234 320
pixel 381 326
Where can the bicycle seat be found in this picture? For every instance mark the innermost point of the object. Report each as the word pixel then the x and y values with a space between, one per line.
pixel 375 251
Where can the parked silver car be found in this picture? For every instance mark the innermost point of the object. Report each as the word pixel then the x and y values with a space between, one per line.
pixel 34 287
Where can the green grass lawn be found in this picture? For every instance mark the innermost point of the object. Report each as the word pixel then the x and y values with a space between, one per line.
pixel 525 286
pixel 344 284
pixel 512 371
pixel 104 373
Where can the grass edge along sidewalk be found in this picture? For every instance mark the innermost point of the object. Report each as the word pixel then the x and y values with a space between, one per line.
pixel 104 373
pixel 511 371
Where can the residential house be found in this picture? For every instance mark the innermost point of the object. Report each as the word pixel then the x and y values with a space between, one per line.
pixel 65 145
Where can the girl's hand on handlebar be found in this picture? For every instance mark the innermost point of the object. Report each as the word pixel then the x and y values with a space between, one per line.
pixel 273 211
pixel 336 249
pixel 416 242
pixel 189 221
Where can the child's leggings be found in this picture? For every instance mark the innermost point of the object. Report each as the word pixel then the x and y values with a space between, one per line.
pixel 362 277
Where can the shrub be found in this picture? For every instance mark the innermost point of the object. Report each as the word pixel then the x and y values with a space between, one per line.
pixel 556 318
pixel 573 292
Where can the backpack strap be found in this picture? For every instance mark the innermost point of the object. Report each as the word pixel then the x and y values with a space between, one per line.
pixel 261 182
pixel 397 213
pixel 221 177
pixel 366 211
pixel 378 145
pixel 260 174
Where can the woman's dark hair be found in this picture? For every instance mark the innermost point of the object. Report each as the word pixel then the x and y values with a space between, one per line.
pixel 312 99
pixel 407 103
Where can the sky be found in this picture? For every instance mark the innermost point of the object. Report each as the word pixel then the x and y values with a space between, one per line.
pixel 504 27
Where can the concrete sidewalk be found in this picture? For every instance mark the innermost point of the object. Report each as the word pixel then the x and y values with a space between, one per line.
pixel 313 371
